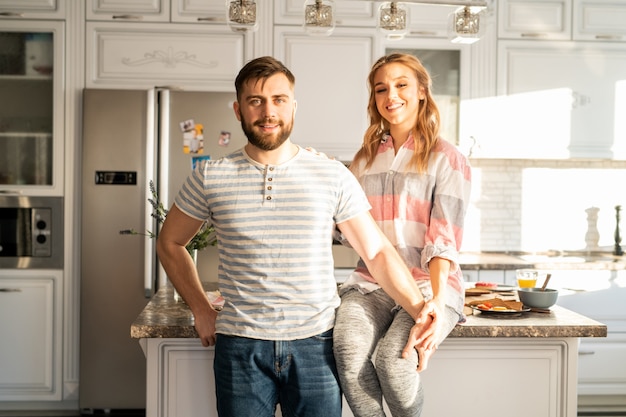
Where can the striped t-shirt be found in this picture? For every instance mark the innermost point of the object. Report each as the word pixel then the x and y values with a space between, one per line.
pixel 274 226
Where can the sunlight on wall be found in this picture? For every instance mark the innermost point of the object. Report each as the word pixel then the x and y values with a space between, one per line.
pixel 554 203
pixel 513 122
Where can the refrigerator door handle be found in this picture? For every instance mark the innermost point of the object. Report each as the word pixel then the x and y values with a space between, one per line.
pixel 163 159
pixel 149 221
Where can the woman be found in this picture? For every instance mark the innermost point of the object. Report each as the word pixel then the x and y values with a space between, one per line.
pixel 418 186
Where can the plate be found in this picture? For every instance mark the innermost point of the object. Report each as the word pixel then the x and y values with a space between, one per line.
pixel 504 288
pixel 501 312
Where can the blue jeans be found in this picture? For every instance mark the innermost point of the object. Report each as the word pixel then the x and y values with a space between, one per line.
pixel 252 376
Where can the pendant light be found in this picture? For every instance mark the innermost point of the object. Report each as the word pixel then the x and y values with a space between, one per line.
pixel 319 17
pixel 242 15
pixel 393 20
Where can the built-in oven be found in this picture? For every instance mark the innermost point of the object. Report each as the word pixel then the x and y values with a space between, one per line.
pixel 31 232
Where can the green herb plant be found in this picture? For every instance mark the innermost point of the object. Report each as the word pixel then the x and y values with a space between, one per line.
pixel 203 238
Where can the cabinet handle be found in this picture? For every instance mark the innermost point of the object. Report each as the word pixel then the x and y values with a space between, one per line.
pixel 609 37
pixel 211 19
pixel 422 33
pixel 533 35
pixel 11 14
pixel 10 290
pixel 586 352
pixel 127 17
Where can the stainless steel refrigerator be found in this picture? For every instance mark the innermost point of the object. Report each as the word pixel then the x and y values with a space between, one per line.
pixel 130 138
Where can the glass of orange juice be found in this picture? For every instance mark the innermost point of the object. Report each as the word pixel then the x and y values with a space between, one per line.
pixel 526 278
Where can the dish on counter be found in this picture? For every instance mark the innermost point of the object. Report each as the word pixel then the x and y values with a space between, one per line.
pixel 507 312
pixel 504 288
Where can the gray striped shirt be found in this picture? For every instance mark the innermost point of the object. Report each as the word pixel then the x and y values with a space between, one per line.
pixel 274 226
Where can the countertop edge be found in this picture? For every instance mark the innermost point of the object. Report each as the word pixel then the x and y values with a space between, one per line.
pixel 163 317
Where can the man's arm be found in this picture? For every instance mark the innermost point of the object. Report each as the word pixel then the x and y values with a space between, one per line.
pixel 383 262
pixel 177 231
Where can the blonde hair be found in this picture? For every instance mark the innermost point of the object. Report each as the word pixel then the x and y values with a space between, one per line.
pixel 426 131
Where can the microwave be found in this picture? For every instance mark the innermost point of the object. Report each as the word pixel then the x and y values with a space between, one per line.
pixel 31 232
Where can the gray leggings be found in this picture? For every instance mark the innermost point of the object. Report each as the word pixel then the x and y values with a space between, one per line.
pixel 364 323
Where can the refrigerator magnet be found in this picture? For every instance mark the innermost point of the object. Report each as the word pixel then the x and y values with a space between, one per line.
pixel 197 159
pixel 224 139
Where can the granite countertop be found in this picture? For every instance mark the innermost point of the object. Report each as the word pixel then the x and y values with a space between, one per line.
pixel 574 260
pixel 163 317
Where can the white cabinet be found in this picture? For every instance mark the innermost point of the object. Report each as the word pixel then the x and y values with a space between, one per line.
pixel 204 11
pixel 134 55
pixel 591 20
pixel 131 10
pixel 601 20
pixel 555 100
pixel 538 19
pixel 31 342
pixel 32 9
pixel 600 295
pixel 181 383
pixel 331 88
pixel 200 11
pixel 32 129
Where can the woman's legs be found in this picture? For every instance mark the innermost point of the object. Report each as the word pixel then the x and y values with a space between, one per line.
pixel 362 320
pixel 399 379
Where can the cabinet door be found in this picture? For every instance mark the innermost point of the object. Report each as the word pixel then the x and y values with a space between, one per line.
pixel 537 368
pixel 601 367
pixel 429 20
pixel 198 57
pixel 539 19
pixel 599 20
pixel 32 9
pixel 30 325
pixel 129 10
pixel 558 100
pixel 331 88
pixel 203 11
pixel 32 108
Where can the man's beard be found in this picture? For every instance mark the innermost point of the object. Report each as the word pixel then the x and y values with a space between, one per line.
pixel 266 142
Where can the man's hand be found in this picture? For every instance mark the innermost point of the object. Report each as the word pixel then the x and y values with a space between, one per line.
pixel 424 334
pixel 205 326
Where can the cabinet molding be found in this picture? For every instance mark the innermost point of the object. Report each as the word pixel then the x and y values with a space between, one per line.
pixel 131 55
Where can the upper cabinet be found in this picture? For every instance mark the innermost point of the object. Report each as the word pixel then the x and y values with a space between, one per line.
pixel 178 43
pixel 535 19
pixel 555 100
pixel 32 121
pixel 33 9
pixel 599 20
pixel 189 11
pixel 589 20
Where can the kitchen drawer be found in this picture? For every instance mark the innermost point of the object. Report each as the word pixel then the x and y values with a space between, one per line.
pixel 601 366
pixel 126 55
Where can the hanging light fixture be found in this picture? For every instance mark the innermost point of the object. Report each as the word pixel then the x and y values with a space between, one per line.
pixel 242 15
pixel 393 20
pixel 464 25
pixel 319 17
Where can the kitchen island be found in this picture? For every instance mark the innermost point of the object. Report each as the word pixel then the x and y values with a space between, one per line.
pixel 522 365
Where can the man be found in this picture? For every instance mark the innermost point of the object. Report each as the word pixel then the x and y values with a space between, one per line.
pixel 274 207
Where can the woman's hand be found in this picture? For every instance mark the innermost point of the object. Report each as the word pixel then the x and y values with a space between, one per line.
pixel 424 334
